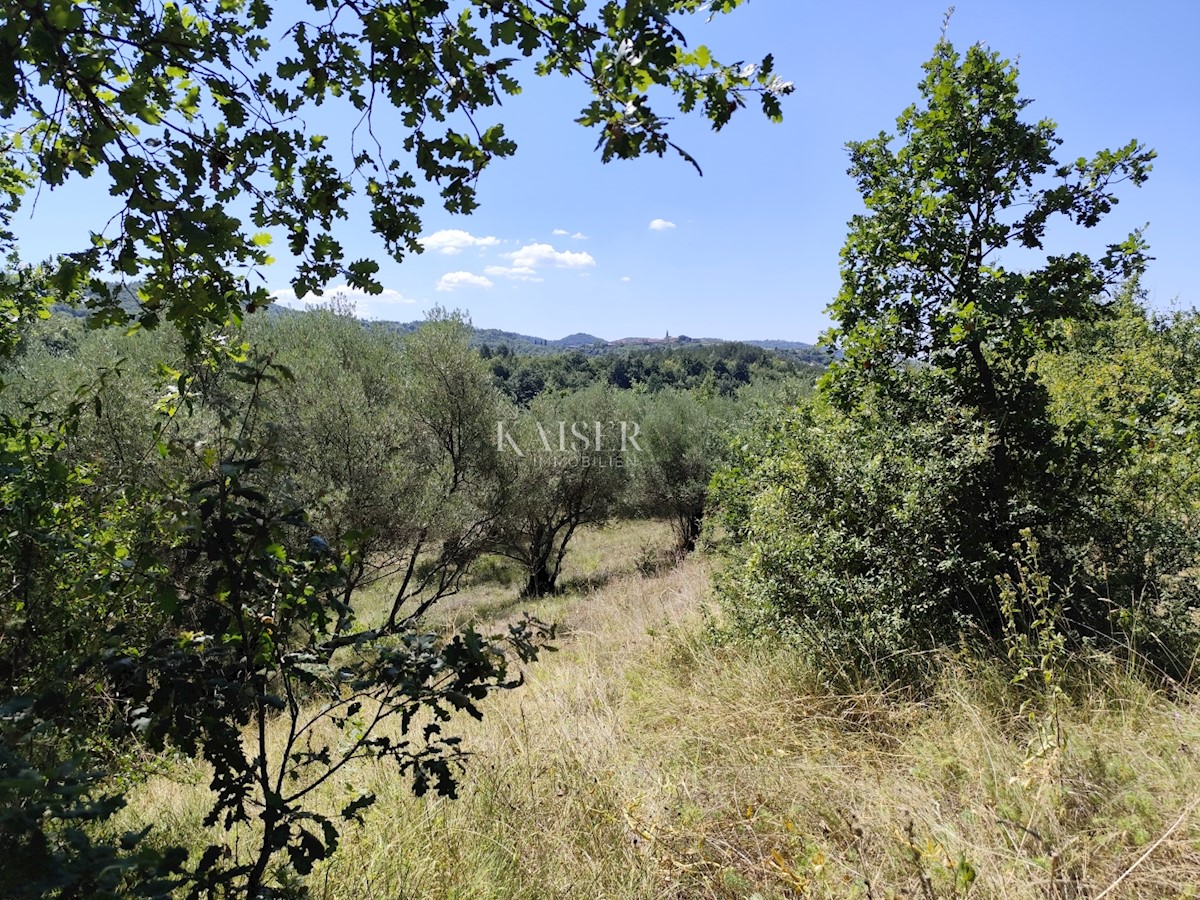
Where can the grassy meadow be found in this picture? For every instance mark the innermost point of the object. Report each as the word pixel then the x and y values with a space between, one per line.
pixel 647 758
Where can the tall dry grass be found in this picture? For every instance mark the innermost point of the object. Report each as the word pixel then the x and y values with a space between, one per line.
pixel 644 760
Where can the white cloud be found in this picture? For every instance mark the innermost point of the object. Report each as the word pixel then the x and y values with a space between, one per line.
pixel 516 273
pixel 561 232
pixel 367 306
pixel 577 236
pixel 625 278
pixel 533 255
pixel 661 225
pixel 452 281
pixel 452 241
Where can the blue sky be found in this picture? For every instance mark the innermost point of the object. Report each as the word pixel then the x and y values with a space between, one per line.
pixel 562 243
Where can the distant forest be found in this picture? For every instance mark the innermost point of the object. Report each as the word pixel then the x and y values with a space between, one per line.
pixel 523 366
pixel 715 369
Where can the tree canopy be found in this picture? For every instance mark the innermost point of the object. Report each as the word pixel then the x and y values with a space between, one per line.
pixel 965 178
pixel 938 462
pixel 948 289
pixel 196 115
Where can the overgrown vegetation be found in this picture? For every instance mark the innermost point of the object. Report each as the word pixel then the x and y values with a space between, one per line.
pixel 877 521
pixel 644 760
pixel 207 526
pixel 254 568
pixel 188 528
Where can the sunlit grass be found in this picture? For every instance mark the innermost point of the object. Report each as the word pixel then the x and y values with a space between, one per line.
pixel 643 760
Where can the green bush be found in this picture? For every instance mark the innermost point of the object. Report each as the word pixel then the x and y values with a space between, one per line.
pixel 968 411
pixel 854 533
pixel 870 535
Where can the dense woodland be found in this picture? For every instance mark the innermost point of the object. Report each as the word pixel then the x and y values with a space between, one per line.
pixel 229 536
pixel 714 370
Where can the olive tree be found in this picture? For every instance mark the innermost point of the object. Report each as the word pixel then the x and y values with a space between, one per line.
pixel 683 440
pixel 448 409
pixel 565 463
pixel 391 447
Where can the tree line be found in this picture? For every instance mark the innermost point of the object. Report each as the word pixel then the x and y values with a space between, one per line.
pixel 713 369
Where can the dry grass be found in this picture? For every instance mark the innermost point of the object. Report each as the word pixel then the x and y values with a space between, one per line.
pixel 644 761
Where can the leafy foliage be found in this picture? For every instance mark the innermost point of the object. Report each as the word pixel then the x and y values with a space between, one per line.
pixel 390 444
pixel 45 820
pixel 922 282
pixel 67 559
pixel 210 627
pixel 564 462
pixel 684 438
pixel 1124 389
pixel 194 114
pixel 855 534
pixel 720 369
pixel 879 520
pixel 921 274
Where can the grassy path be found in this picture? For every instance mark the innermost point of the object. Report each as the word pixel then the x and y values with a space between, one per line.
pixel 643 761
